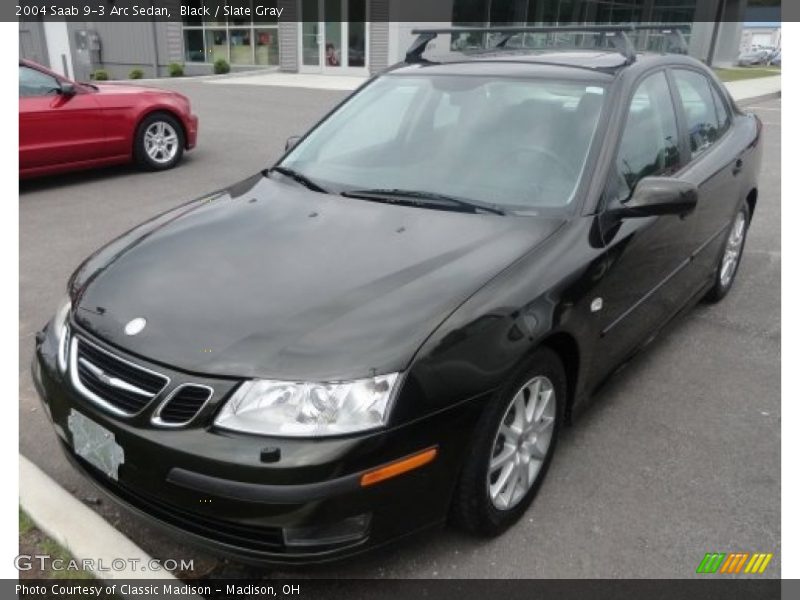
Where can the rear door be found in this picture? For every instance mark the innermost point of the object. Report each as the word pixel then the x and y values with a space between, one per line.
pixel 55 128
pixel 716 163
pixel 646 257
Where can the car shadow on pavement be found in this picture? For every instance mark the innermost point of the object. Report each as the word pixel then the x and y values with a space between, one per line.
pixel 89 176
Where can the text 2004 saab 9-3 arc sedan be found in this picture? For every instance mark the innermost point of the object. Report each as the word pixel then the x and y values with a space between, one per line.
pixel 65 125
pixel 391 325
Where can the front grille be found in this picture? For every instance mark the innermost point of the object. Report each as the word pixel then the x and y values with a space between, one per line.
pixel 116 384
pixel 183 404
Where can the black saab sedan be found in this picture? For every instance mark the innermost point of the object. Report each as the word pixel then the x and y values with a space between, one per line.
pixel 389 328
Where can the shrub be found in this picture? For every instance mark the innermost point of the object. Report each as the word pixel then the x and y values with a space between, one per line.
pixel 175 70
pixel 100 75
pixel 221 66
pixel 136 74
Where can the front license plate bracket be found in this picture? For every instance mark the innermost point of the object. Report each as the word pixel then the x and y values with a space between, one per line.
pixel 95 444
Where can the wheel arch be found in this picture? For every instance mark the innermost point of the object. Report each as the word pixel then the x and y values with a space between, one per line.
pixel 751 199
pixel 566 347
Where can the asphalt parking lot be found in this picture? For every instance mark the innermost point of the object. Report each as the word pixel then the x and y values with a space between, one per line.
pixel 678 456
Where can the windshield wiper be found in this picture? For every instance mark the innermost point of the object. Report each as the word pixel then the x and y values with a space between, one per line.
pixel 298 177
pixel 421 198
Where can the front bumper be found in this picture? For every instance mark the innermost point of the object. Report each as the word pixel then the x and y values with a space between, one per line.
pixel 307 506
pixel 192 125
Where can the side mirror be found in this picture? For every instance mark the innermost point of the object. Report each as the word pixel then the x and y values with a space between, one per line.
pixel 291 142
pixel 67 88
pixel 655 196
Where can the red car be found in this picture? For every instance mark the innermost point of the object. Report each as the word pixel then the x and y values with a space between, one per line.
pixel 65 125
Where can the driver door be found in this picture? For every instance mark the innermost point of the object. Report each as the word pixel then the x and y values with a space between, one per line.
pixel 645 274
pixel 55 128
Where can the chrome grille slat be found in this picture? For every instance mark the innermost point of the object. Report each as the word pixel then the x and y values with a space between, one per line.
pixel 115 366
pixel 182 405
pixel 119 386
pixel 113 381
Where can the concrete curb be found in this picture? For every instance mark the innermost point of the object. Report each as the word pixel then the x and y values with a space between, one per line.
pixel 311 81
pixel 79 529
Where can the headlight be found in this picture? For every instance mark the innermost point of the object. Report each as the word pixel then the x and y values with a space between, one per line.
pixel 61 330
pixel 308 409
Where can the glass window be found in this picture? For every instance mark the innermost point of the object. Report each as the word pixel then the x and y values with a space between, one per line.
pixel 266 46
pixel 356 33
pixel 446 113
pixel 240 40
pixel 193 45
pixel 215 17
pixel 216 44
pixel 370 128
pixel 521 144
pixel 266 18
pixel 334 57
pixel 36 83
pixel 723 116
pixel 649 144
pixel 195 12
pixel 241 47
pixel 698 105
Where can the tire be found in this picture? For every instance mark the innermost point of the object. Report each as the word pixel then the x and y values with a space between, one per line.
pixel 474 509
pixel 159 142
pixel 725 273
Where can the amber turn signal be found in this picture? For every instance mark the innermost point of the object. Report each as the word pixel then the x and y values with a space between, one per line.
pixel 398 467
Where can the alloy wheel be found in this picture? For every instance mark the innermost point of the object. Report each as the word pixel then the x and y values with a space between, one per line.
pixel 521 443
pixel 733 250
pixel 161 142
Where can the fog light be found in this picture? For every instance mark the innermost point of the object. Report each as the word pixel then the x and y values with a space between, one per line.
pixel 348 530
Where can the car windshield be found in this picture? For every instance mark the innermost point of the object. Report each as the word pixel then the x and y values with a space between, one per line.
pixel 518 144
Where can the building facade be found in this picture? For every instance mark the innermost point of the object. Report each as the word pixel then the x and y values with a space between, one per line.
pixel 353 37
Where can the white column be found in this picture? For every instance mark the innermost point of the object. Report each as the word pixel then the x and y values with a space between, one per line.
pixel 58 47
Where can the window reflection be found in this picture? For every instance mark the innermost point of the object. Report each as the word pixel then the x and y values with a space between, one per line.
pixel 356 37
pixel 649 144
pixel 239 40
pixel 694 90
pixel 241 47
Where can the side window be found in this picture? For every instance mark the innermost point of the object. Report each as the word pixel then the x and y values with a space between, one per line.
pixel 723 117
pixel 649 143
pixel 698 104
pixel 35 83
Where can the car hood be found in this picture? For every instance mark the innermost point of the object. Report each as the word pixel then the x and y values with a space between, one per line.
pixel 267 279
pixel 126 88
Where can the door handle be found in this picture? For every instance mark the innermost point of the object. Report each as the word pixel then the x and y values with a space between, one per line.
pixel 738 166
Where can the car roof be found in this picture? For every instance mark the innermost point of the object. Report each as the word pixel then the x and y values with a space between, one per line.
pixel 571 64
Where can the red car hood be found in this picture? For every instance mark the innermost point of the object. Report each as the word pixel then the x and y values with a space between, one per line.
pixel 125 88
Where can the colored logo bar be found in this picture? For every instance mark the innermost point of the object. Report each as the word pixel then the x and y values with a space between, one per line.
pixel 734 563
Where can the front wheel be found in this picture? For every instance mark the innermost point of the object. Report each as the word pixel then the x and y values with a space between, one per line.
pixel 731 257
pixel 514 443
pixel 159 142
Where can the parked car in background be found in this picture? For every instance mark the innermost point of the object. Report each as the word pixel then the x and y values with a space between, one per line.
pixel 751 58
pixel 65 125
pixel 775 59
pixel 391 325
